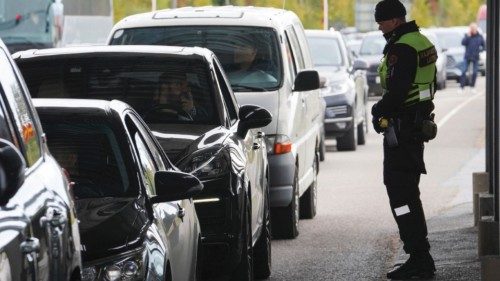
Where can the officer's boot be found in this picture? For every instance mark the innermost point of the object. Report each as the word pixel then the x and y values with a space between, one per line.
pixel 419 265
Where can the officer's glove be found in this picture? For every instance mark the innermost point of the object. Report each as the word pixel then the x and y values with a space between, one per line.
pixel 376 125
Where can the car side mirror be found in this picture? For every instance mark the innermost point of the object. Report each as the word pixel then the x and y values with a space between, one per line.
pixel 12 171
pixel 360 65
pixel 175 185
pixel 251 117
pixel 444 49
pixel 306 80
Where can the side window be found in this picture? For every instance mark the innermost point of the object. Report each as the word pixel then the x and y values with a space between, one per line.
pixel 297 53
pixel 22 115
pixel 156 154
pixel 147 163
pixel 231 104
pixel 292 69
pixel 4 126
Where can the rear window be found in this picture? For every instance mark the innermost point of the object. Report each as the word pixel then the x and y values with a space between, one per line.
pixel 372 45
pixel 93 158
pixel 249 55
pixel 162 90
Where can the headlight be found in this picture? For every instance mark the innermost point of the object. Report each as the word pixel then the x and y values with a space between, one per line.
pixel 335 89
pixel 128 267
pixel 208 163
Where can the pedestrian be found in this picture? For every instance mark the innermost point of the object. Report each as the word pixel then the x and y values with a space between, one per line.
pixel 474 44
pixel 408 78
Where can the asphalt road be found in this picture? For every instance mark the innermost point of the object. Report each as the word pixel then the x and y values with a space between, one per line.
pixel 353 236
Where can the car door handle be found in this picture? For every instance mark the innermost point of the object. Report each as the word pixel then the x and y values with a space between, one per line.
pixel 260 135
pixel 256 146
pixel 181 213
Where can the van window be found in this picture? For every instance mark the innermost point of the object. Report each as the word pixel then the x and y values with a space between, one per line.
pixel 163 90
pixel 22 115
pixel 249 55
pixel 297 52
pixel 292 66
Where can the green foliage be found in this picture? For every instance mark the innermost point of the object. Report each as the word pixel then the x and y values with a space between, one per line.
pixel 445 12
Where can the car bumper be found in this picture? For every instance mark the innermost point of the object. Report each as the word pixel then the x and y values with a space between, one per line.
pixel 337 127
pixel 281 174
pixel 453 73
pixel 220 213
pixel 374 87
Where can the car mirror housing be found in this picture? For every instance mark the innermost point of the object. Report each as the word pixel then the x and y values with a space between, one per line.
pixel 175 185
pixel 359 64
pixel 306 80
pixel 252 116
pixel 12 167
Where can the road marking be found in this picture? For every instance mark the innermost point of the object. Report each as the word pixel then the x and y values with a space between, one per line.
pixel 456 110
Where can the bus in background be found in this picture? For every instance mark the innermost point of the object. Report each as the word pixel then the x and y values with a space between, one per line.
pixel 38 24
pixel 481 17
pixel 87 22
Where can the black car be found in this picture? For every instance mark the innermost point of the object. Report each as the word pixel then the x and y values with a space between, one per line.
pixel 185 98
pixel 137 219
pixel 39 238
pixel 345 90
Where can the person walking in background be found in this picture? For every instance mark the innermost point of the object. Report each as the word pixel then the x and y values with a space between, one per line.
pixel 474 44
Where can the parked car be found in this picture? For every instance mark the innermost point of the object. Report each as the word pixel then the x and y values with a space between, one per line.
pixel 265 54
pixel 137 221
pixel 39 238
pixel 185 99
pixel 371 51
pixel 345 90
pixel 442 59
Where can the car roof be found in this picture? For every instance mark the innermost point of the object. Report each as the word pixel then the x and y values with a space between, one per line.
pixel 90 51
pixel 210 15
pixel 98 109
pixel 323 33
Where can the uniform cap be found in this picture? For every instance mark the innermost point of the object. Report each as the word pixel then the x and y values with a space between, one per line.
pixel 389 9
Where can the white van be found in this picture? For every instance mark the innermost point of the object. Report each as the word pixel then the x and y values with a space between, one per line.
pixel 265 55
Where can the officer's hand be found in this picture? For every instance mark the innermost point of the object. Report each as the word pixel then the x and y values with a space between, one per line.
pixel 376 125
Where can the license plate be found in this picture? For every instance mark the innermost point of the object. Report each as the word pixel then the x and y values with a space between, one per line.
pixel 377 80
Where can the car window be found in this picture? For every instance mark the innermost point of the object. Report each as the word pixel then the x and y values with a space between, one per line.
pixel 249 55
pixel 229 100
pixel 147 163
pixel 297 54
pixel 5 132
pixel 318 46
pixel 163 90
pixel 372 45
pixel 91 154
pixel 156 154
pixel 20 109
pixel 292 68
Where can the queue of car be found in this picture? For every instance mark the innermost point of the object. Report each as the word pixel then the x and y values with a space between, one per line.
pixel 145 165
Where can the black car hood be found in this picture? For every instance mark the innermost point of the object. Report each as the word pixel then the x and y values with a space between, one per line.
pixel 179 140
pixel 109 226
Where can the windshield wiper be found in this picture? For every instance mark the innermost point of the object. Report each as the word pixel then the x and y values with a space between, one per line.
pixel 257 89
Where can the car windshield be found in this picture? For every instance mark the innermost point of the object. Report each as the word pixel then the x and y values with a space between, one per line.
pixel 450 39
pixel 372 45
pixel 162 89
pixel 249 55
pixel 92 157
pixel 25 21
pixel 318 45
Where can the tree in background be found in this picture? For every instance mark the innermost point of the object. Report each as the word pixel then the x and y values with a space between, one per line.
pixel 445 12
pixel 421 12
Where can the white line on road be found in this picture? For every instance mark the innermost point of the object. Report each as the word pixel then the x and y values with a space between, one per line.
pixel 457 109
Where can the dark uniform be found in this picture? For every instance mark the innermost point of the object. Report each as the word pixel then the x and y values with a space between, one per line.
pixel 408 78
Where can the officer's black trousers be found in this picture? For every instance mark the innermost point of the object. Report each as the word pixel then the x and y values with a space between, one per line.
pixel 402 168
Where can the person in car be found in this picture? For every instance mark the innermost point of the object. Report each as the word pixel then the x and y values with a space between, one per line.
pixel 246 68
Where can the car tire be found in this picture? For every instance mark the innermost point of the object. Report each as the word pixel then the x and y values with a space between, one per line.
pixel 348 141
pixel 361 133
pixel 262 261
pixel 285 220
pixel 244 270
pixel 309 200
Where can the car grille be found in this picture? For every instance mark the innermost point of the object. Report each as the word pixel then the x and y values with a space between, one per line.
pixel 212 213
pixel 336 111
pixel 450 62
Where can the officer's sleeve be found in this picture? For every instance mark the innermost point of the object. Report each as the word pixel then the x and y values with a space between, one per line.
pixel 401 70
